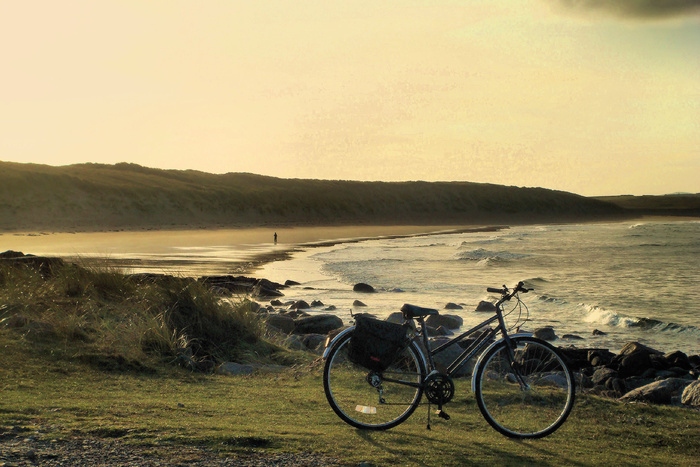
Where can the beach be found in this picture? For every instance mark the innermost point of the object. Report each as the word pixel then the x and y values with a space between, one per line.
pixel 204 251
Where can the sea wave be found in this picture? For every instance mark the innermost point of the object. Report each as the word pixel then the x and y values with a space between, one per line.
pixel 484 256
pixel 600 315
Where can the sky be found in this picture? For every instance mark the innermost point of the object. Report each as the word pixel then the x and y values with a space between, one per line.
pixel 588 96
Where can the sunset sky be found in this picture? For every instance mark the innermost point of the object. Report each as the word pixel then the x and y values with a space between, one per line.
pixel 564 94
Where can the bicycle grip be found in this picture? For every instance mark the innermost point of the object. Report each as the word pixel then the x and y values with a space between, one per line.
pixel 494 290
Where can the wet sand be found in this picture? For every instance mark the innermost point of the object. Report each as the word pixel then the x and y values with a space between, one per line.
pixel 202 251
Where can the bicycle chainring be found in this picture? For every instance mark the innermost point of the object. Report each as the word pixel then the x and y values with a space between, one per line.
pixel 439 388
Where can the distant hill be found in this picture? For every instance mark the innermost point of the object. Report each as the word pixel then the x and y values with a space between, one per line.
pixel 678 204
pixel 129 196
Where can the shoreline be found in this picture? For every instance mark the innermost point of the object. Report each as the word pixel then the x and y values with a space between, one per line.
pixel 194 252
pixel 240 250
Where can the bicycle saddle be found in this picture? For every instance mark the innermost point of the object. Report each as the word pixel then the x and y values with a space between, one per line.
pixel 413 311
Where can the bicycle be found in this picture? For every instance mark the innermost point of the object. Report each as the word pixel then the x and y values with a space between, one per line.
pixel 522 385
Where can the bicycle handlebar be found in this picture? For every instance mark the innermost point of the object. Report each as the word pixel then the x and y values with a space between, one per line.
pixel 507 294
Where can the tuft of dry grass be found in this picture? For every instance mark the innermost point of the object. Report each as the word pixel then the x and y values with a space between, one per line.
pixel 75 311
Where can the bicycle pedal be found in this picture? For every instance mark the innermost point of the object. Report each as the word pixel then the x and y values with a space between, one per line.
pixel 442 414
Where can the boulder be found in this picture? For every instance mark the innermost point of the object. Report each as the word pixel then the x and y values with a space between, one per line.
pixel 691 394
pixel 290 283
pixel 597 332
pixel 445 357
pixel 319 324
pixel 601 375
pixel 316 303
pixel 634 359
pixel 294 342
pixel 43 264
pixel 396 317
pixel 546 333
pixel 599 357
pixel 299 305
pixel 314 342
pixel 572 337
pixel 447 321
pixel 485 306
pixel 358 303
pixel 658 392
pixel 453 306
pixel 281 323
pixel 678 359
pixel 363 288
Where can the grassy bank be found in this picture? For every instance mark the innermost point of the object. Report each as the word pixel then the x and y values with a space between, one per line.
pixel 93 354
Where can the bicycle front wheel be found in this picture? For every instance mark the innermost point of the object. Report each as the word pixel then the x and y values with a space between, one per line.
pixel 529 398
pixel 370 400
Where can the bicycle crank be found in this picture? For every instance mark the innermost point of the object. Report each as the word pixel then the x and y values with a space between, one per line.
pixel 439 388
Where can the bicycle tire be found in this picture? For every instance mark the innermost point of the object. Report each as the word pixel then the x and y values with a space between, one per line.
pixel 532 412
pixel 357 402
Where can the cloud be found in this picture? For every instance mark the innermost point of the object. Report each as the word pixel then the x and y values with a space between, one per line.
pixel 638 9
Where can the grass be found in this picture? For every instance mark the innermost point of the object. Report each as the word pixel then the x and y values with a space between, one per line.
pixel 50 389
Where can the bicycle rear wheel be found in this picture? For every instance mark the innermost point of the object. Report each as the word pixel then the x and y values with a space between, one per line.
pixel 530 399
pixel 370 400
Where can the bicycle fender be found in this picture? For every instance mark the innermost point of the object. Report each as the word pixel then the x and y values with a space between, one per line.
pixel 481 357
pixel 329 345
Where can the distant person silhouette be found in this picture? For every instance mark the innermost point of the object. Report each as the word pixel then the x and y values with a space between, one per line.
pixel 275 237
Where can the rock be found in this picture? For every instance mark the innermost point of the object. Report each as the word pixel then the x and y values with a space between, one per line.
pixel 281 323
pixel 678 359
pixel 617 385
pixel 691 394
pixel 694 361
pixel 444 358
pixel 276 302
pixel 290 283
pixel 9 254
pixel 358 303
pixel 572 337
pixel 314 342
pixel 597 332
pixel 299 305
pixel 316 303
pixel 294 342
pixel 330 308
pixel 453 306
pixel 319 324
pixel 447 321
pixel 43 264
pixel 485 306
pixel 545 333
pixel 599 357
pixel 601 375
pixel 261 291
pixel 658 392
pixel 295 314
pixel 363 288
pixel 633 347
pixel 634 359
pixel 396 317
pixel 250 305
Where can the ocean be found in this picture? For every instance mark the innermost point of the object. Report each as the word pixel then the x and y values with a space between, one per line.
pixel 634 281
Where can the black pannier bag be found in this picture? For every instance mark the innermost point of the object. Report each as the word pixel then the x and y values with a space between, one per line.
pixel 375 344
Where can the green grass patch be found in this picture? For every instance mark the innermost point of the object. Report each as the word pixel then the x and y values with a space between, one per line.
pixel 288 412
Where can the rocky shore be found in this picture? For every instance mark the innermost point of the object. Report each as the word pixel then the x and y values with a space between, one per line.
pixel 636 373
